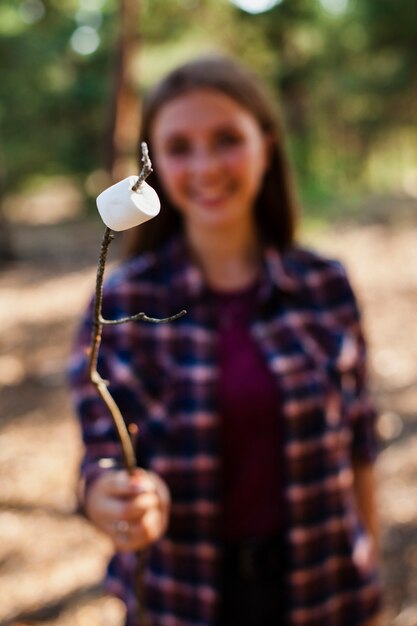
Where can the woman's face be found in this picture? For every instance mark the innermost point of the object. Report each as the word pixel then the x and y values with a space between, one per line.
pixel 211 155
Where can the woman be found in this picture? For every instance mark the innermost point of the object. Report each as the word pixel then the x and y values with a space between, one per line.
pixel 254 426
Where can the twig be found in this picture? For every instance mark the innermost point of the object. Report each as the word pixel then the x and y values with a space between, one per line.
pixel 146 167
pixel 129 456
pixel 144 318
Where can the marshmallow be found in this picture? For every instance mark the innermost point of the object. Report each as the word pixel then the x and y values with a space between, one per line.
pixel 121 208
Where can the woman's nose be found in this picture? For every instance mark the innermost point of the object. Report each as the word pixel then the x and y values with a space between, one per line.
pixel 205 162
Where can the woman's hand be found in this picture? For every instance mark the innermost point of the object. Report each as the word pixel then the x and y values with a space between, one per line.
pixel 131 509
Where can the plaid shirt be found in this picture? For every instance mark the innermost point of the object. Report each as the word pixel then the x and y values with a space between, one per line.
pixel 164 379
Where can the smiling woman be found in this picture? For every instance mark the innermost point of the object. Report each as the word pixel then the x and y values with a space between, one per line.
pixel 256 435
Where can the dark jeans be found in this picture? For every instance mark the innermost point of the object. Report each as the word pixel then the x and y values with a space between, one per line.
pixel 252 585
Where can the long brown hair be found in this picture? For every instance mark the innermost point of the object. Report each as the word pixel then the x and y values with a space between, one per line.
pixel 275 206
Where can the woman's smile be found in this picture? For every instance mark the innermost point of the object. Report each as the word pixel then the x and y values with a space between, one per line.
pixel 212 197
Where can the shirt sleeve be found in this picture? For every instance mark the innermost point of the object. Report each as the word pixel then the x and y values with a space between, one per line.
pixel 360 409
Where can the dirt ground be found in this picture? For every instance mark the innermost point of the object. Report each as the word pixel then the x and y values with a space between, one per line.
pixel 51 560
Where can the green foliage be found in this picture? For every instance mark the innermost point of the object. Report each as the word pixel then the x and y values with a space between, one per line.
pixel 346 80
pixel 52 100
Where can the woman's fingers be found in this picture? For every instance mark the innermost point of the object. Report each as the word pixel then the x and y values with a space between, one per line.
pixel 132 508
pixel 152 492
pixel 111 491
pixel 135 508
pixel 104 501
pixel 138 534
pixel 123 485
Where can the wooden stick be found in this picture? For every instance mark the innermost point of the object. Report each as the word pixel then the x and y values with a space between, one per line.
pixel 129 456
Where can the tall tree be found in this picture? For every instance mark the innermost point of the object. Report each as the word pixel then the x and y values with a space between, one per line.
pixel 123 128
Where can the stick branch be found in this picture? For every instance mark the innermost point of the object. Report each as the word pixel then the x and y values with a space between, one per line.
pixel 129 457
pixel 146 167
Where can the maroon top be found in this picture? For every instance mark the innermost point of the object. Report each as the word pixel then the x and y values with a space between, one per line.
pixel 249 407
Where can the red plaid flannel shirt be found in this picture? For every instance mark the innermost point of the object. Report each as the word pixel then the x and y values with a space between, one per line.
pixel 164 378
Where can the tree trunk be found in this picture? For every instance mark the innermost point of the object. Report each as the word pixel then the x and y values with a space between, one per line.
pixel 7 252
pixel 121 150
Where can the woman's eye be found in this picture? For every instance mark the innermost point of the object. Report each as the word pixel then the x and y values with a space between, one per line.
pixel 178 148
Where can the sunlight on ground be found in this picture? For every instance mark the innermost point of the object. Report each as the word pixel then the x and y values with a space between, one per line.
pixel 50 202
pixel 52 558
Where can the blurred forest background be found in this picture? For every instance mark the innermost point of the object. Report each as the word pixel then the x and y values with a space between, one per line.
pixel 72 75
pixel 346 72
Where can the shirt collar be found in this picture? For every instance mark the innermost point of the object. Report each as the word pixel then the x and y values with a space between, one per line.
pixel 189 278
pixel 279 273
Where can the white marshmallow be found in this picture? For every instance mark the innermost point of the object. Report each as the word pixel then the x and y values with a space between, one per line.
pixel 121 208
